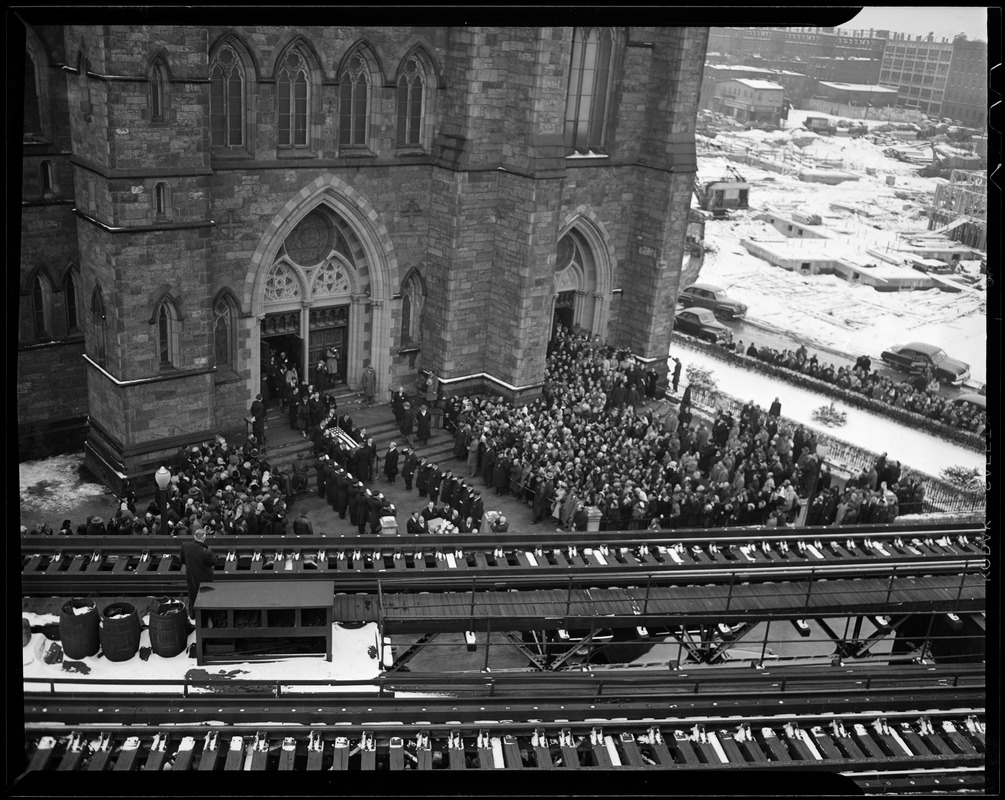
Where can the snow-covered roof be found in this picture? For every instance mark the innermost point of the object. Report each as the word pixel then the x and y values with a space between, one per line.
pixel 858 87
pixel 753 83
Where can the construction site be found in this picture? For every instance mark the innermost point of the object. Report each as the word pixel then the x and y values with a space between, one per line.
pixel 883 251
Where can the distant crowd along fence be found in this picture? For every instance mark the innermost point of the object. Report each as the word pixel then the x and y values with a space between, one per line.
pixel 968 439
pixel 939 495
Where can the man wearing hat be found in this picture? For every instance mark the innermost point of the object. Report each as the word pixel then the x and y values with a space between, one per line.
pixel 199 562
pixel 417 524
pixel 354 492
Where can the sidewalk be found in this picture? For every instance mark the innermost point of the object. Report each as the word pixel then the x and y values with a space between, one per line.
pixel 916 449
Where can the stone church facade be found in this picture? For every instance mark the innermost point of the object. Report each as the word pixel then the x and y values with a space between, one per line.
pixel 195 198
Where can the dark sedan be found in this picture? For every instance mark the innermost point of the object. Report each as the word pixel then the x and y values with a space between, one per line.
pixel 705 295
pixel 701 322
pixel 916 357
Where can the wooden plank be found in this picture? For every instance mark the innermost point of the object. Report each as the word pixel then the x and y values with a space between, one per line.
pixel 340 755
pixel 288 755
pixel 543 757
pixel 396 754
pixel 775 746
pixel 732 749
pixel 184 755
pixel 511 752
pixel 631 750
pixel 235 755
pixel 825 744
pixel 685 748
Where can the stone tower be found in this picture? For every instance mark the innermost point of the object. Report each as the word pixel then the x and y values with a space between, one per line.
pixel 423 198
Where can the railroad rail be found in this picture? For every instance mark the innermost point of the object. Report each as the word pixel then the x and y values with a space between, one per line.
pixel 870 746
pixel 416 697
pixel 151 565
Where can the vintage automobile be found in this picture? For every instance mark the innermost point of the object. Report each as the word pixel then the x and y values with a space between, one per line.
pixel 701 322
pixel 973 398
pixel 705 295
pixel 916 357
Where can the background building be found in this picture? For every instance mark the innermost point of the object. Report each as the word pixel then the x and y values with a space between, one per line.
pixel 749 100
pixel 966 98
pixel 195 198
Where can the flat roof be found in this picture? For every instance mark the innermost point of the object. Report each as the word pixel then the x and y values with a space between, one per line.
pixel 858 87
pixel 756 84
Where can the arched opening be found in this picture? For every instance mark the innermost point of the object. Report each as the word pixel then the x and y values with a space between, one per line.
pixel 345 231
pixel 309 298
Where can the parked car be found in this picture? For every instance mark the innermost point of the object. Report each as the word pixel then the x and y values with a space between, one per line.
pixel 915 357
pixel 705 295
pixel 973 398
pixel 702 323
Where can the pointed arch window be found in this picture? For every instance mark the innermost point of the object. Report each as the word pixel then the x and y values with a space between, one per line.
pixel 167 324
pixel 162 198
pixel 40 297
pixel 294 100
pixel 223 333
pixel 100 323
pixel 32 98
pixel 411 85
pixel 354 103
pixel 158 92
pixel 227 110
pixel 84 87
pixel 46 177
pixel 70 302
pixel 591 78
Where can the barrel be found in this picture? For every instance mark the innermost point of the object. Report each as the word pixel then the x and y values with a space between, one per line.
pixel 78 632
pixel 120 632
pixel 168 629
pixel 25 632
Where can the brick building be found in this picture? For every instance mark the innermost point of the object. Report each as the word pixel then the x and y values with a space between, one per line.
pixel 423 198
pixel 966 98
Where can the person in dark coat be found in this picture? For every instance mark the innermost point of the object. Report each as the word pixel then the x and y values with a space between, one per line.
pixel 331 485
pixel 407 423
pixel 422 471
pixel 320 467
pixel 258 418
pixel 423 421
pixel 199 562
pixel 342 481
pixel 433 484
pixel 417 524
pixel 363 511
pixel 391 463
pixel 775 410
pixel 355 491
pixel 500 474
pixel 489 463
pixel 302 526
pixel 476 511
pixel 398 403
pixel 408 464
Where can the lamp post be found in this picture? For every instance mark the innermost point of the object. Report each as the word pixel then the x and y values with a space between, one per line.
pixel 163 478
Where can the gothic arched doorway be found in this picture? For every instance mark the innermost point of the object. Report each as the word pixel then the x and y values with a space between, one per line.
pixel 312 297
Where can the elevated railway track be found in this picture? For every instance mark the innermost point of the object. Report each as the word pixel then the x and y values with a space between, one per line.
pixel 151 565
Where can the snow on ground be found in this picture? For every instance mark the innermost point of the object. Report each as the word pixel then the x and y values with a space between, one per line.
pixel 351 661
pixel 824 310
pixel 51 486
pixel 916 449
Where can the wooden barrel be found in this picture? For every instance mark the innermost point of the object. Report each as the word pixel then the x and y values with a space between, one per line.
pixel 25 632
pixel 78 632
pixel 120 632
pixel 168 629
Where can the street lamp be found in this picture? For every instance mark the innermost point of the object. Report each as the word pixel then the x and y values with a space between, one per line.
pixel 163 478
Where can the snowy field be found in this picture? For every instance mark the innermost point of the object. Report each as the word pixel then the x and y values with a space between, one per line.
pixel 351 661
pixel 920 451
pixel 825 310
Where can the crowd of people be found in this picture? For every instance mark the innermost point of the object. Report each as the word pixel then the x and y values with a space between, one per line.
pixel 919 394
pixel 586 442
